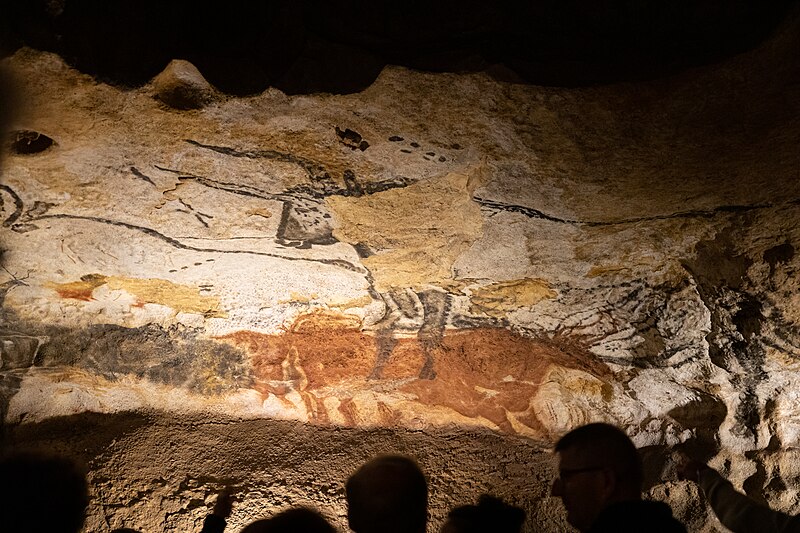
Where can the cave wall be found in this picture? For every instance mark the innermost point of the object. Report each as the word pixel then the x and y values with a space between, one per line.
pixel 266 290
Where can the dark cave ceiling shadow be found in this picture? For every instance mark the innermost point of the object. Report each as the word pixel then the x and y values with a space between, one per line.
pixel 307 46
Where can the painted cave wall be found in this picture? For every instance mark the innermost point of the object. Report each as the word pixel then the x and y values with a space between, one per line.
pixel 264 290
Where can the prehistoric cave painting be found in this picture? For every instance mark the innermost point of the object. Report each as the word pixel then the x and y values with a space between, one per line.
pixel 421 345
pixel 21 220
pixel 432 306
pixel 304 220
pixel 156 291
pixel 427 155
pixel 19 350
pixel 494 206
pixel 10 214
pixel 175 356
pixel 328 361
pixel 352 139
pixel 498 299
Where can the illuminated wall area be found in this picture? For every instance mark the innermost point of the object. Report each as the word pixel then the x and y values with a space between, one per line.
pixel 201 289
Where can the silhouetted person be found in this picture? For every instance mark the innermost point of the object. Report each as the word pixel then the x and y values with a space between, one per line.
pixel 296 520
pixel 491 514
pixel 41 494
pixel 600 483
pixel 736 511
pixel 388 494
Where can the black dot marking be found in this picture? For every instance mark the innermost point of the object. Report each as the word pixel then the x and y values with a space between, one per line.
pixel 198 264
pixel 395 138
pixel 442 159
pixel 415 145
pixel 209 260
pixel 173 270
pixel 426 158
pixel 455 146
pixel 430 153
pixel 405 151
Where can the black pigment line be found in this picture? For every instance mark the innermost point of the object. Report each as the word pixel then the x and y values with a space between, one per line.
pixel 178 244
pixel 699 213
pixel 200 219
pixel 311 167
pixel 18 206
pixel 527 211
pixel 316 172
pixel 139 174
pixel 235 188
pixel 654 361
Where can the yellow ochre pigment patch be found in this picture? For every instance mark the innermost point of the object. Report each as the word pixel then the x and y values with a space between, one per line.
pixel 182 298
pixel 497 299
pixel 416 232
pixel 79 290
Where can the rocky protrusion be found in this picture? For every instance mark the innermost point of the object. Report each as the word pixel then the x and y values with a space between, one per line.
pixel 181 86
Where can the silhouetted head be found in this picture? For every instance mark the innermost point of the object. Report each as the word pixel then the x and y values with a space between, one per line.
pixel 491 514
pixel 598 466
pixel 388 494
pixel 296 520
pixel 42 494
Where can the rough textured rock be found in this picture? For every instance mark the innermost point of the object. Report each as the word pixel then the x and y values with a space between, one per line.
pixel 475 268
pixel 182 86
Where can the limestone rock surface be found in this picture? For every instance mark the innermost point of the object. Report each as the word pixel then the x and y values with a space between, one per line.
pixel 489 266
pixel 182 86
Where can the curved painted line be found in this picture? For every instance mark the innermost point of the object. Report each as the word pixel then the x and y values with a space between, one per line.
pixel 699 213
pixel 18 204
pixel 340 263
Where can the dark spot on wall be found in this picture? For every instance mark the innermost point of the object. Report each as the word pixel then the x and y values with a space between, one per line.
pixel 704 414
pixel 351 139
pixel 718 264
pixel 363 250
pixel 30 142
pixel 748 318
pixel 777 255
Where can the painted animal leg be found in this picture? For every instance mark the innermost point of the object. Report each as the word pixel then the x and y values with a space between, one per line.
pixel 436 305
